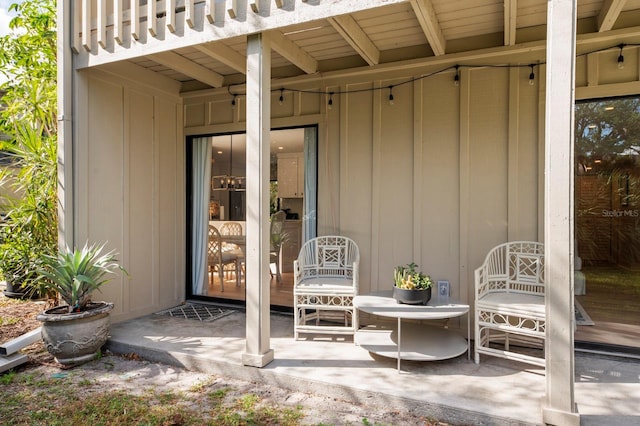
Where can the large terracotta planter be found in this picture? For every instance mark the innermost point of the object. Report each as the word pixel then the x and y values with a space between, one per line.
pixel 412 297
pixel 75 338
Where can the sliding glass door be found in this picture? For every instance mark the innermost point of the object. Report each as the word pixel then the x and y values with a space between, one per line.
pixel 217 205
pixel 607 216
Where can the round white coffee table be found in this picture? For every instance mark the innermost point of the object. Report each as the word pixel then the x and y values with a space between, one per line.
pixel 415 342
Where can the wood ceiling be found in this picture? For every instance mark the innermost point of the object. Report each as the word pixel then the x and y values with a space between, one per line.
pixel 400 31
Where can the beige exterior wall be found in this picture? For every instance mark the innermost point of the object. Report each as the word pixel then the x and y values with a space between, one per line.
pixel 130 188
pixel 438 178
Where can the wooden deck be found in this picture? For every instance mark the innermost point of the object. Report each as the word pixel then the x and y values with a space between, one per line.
pixel 281 294
pixel 612 300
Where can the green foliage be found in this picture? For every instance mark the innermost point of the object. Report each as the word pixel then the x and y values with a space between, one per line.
pixel 69 401
pixel 8 377
pixel 28 118
pixel 29 231
pixel 75 274
pixel 607 180
pixel 605 129
pixel 408 277
pixel 28 61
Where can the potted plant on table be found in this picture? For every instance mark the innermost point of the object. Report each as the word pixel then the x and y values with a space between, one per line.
pixel 411 286
pixel 75 332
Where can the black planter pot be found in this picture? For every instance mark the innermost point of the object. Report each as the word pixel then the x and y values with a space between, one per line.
pixel 412 297
pixel 18 291
pixel 14 291
pixel 75 338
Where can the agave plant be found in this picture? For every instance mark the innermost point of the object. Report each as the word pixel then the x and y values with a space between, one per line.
pixel 75 274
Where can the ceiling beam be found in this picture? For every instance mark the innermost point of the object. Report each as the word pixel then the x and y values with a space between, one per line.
pixel 224 54
pixel 430 25
pixel 189 68
pixel 142 76
pixel 609 14
pixel 510 16
pixel 292 52
pixel 356 37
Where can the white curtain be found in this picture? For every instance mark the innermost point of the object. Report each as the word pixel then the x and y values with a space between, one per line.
pixel 201 187
pixel 310 183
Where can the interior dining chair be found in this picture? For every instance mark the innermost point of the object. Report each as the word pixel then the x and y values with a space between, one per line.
pixel 277 239
pixel 233 228
pixel 218 258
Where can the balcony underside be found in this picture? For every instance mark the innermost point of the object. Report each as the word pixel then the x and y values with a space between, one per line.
pixel 202 44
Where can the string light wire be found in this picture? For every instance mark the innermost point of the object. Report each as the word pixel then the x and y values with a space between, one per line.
pixel 455 67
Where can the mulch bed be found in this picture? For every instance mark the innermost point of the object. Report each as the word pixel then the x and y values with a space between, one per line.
pixel 18 317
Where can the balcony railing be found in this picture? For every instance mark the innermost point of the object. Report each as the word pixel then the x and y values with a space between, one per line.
pixel 110 30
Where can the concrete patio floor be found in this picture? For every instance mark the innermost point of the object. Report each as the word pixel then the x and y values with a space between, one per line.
pixel 495 392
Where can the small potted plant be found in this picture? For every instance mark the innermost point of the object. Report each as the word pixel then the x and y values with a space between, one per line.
pixel 75 332
pixel 411 286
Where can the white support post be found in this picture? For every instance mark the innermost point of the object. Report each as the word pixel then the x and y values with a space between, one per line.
pixel 66 75
pixel 258 334
pixel 559 408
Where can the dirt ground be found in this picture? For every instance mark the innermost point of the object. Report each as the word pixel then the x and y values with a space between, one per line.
pixel 135 375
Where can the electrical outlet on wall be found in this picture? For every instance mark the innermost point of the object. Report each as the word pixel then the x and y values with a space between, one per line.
pixel 443 288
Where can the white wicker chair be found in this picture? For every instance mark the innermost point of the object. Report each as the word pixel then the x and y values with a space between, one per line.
pixel 277 238
pixel 509 302
pixel 325 282
pixel 218 258
pixel 233 228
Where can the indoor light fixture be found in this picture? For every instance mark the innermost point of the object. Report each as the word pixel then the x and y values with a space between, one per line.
pixel 532 76
pixel 621 58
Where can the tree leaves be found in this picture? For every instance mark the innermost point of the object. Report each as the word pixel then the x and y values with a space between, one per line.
pixel 28 61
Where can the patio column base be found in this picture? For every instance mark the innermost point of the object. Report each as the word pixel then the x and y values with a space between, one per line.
pixel 552 416
pixel 257 360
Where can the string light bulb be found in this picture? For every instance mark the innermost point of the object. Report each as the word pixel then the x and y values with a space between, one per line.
pixel 456 78
pixel 390 95
pixel 281 99
pixel 330 103
pixel 233 101
pixel 532 76
pixel 621 58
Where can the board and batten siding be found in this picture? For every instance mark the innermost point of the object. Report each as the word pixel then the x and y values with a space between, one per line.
pixel 130 189
pixel 437 177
